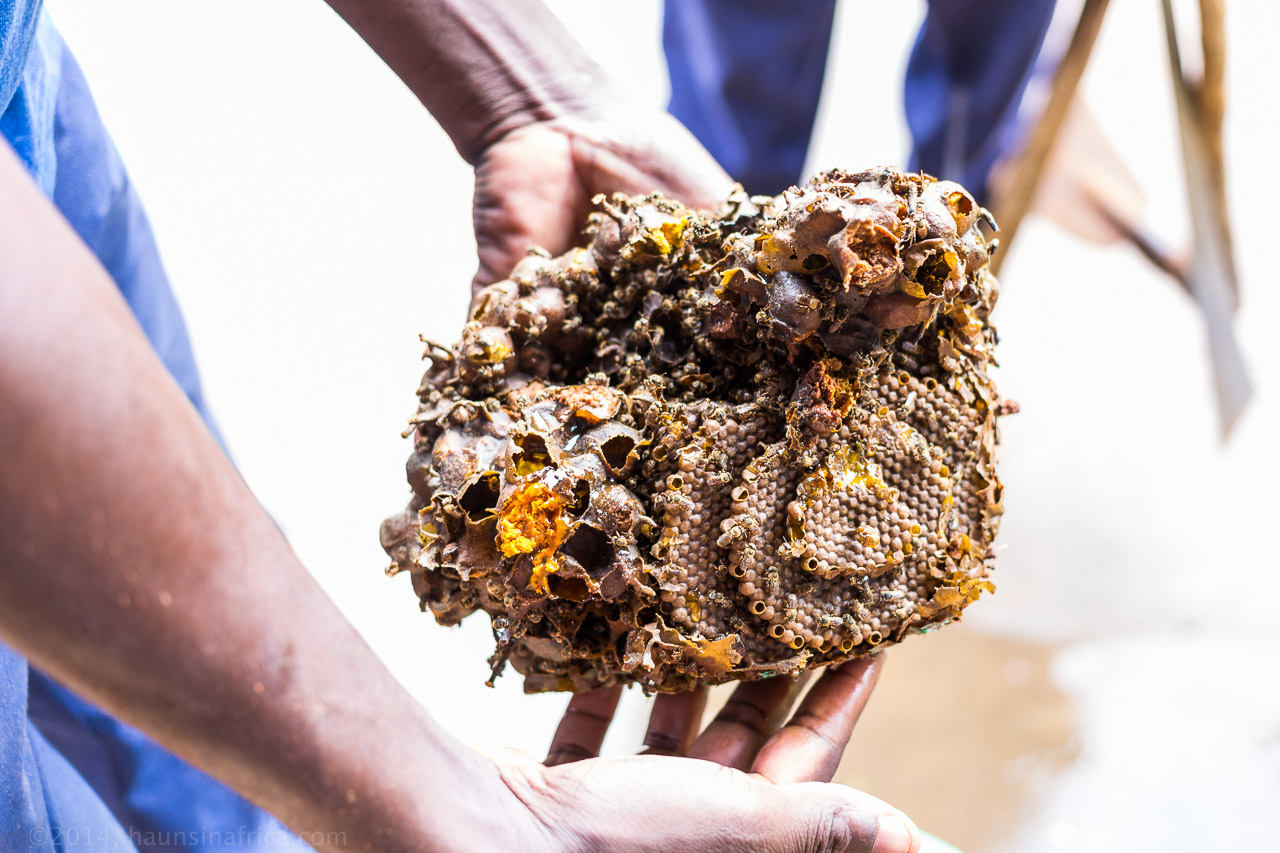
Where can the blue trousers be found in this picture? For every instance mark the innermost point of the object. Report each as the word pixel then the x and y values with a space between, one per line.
pixel 746 76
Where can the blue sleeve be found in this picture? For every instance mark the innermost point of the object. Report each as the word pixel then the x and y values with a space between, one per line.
pixel 163 802
pixel 71 776
pixel 30 64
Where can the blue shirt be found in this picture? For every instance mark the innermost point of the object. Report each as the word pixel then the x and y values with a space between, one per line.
pixel 71 776
pixel 29 55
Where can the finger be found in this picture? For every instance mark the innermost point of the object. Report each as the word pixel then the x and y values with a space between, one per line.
pixel 752 713
pixel 674 722
pixel 526 194
pixel 663 156
pixel 583 726
pixel 808 748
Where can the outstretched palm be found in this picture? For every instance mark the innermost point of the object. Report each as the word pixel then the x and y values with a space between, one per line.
pixel 756 775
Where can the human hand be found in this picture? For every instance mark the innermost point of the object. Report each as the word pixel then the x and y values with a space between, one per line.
pixel 540 120
pixel 534 185
pixel 760 786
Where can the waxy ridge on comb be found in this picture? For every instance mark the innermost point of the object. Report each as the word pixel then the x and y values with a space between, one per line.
pixel 709 447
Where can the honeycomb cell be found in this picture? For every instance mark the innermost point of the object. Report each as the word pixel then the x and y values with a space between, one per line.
pixel 716 446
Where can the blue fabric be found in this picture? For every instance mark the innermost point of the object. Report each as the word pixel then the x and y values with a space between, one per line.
pixel 78 820
pixel 45 805
pixel 746 76
pixel 165 803
pixel 30 90
pixel 24 815
pixel 966 77
pixel 18 19
pixel 71 777
pixel 25 809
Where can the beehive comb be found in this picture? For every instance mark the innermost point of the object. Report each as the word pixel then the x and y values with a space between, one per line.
pixel 708 447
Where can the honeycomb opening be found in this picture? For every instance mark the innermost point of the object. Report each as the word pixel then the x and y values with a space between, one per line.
pixel 710 446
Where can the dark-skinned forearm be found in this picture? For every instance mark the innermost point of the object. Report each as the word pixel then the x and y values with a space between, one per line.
pixel 482 67
pixel 136 567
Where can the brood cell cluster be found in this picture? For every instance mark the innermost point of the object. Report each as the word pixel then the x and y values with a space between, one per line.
pixel 709 447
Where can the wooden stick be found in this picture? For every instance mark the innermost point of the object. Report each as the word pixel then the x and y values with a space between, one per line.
pixel 1027 169
pixel 1211 273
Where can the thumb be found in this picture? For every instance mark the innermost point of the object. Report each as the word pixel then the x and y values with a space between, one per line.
pixel 648 803
pixel 827 817
pixel 527 194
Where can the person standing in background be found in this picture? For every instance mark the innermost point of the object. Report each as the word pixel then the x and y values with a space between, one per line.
pixel 746 78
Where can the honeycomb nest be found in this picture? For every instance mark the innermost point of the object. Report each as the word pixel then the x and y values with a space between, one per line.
pixel 714 447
